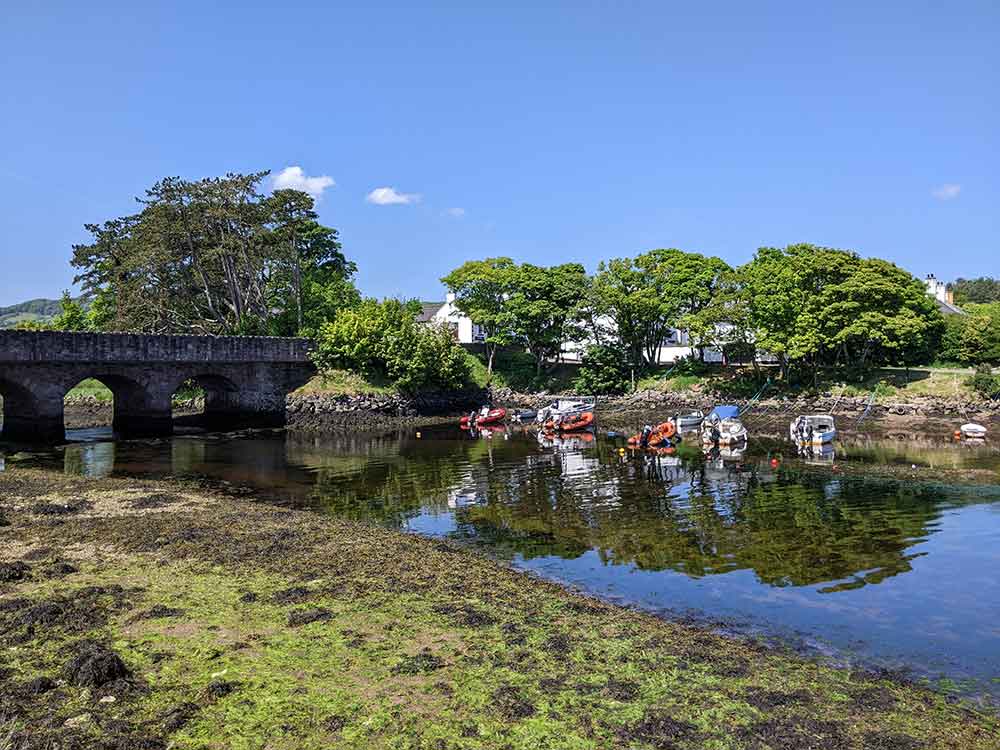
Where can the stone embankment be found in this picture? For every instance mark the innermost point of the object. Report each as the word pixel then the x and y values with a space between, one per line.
pixel 654 400
pixel 316 412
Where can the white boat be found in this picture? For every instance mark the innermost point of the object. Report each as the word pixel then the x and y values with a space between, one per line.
pixel 973 431
pixel 565 406
pixel 722 426
pixel 689 421
pixel 813 429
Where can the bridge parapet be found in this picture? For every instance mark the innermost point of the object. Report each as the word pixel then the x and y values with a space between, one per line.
pixel 59 346
pixel 246 379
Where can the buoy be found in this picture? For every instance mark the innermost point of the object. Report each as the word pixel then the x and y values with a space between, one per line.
pixel 418 435
pixel 774 463
pixel 958 434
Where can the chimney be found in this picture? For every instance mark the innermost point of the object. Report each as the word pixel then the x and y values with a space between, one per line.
pixel 450 298
pixel 949 297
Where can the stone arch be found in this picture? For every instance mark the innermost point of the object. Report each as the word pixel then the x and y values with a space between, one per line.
pixel 18 408
pixel 139 410
pixel 223 399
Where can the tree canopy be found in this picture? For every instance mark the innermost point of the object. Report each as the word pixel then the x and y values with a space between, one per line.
pixel 215 256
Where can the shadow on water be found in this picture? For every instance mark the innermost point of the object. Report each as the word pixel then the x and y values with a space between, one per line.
pixel 896 572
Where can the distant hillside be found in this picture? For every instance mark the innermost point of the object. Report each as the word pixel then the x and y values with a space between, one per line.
pixel 35 310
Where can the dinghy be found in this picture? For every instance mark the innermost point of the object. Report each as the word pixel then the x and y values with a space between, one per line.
pixel 973 431
pixel 722 426
pixel 689 421
pixel 812 429
pixel 484 416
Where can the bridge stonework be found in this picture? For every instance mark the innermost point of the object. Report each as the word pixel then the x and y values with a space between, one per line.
pixel 246 379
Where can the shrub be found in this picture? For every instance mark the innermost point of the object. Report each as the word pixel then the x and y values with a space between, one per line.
pixel 384 339
pixel 985 383
pixel 605 371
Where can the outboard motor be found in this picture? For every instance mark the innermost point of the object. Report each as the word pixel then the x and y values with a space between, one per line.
pixel 644 440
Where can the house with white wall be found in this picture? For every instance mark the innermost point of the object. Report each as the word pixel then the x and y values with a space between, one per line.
pixel 447 314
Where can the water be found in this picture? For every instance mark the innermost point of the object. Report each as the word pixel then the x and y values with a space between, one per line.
pixel 878 571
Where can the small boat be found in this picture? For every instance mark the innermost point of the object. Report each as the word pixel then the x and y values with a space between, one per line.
pixel 722 426
pixel 654 437
pixel 565 406
pixel 689 421
pixel 973 431
pixel 813 429
pixel 524 415
pixel 484 416
pixel 570 422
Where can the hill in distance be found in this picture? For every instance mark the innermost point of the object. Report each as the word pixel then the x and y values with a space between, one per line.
pixel 35 311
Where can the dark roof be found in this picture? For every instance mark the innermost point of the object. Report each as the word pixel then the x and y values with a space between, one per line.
pixel 428 310
pixel 949 309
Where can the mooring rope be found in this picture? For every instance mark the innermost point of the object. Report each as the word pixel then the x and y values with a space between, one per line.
pixel 868 408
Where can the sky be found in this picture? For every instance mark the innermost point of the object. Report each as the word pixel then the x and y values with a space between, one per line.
pixel 548 132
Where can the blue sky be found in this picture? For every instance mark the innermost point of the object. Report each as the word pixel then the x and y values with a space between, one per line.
pixel 548 132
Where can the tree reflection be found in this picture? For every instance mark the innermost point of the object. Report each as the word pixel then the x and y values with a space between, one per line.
pixel 682 512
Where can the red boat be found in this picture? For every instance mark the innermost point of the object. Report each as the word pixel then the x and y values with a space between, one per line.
pixel 571 422
pixel 493 416
pixel 660 436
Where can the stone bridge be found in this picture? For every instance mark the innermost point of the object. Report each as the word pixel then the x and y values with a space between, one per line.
pixel 245 379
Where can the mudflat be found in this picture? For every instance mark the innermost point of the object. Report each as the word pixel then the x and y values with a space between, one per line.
pixel 153 614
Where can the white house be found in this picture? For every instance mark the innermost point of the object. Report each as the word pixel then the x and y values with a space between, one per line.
pixel 942 295
pixel 446 314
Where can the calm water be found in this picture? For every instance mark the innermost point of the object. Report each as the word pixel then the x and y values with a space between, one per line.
pixel 865 570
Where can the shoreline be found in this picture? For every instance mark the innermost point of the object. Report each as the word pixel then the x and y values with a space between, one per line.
pixel 318 412
pixel 217 607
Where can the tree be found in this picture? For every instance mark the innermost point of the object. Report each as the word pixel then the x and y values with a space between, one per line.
pixel 982 290
pixel 688 283
pixel 624 294
pixel 482 288
pixel 384 338
pixel 543 305
pixel 814 306
pixel 73 317
pixel 214 256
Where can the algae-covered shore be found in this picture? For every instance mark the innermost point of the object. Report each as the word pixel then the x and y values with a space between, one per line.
pixel 155 614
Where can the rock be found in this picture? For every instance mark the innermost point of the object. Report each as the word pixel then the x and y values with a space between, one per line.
pixel 78 722
pixel 12 572
pixel 95 665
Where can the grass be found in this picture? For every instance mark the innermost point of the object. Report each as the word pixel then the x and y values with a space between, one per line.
pixel 249 626
pixel 347 383
pixel 91 388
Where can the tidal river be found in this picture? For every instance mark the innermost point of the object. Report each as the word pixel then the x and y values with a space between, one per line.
pixel 817 552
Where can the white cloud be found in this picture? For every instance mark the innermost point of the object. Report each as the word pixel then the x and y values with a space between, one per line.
pixel 293 178
pixel 455 213
pixel 947 191
pixel 387 196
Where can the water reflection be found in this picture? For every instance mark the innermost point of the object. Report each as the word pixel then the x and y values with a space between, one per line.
pixel 766 536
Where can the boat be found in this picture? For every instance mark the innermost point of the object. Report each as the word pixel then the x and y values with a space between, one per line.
pixel 484 416
pixel 812 429
pixel 722 426
pixel 689 421
pixel 570 422
pixel 565 406
pixel 654 437
pixel 973 431
pixel 524 415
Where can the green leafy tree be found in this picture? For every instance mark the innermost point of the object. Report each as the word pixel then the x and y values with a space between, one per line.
pixel 982 290
pixel 605 370
pixel 814 306
pixel 215 256
pixel 72 316
pixel 543 306
pixel 482 289
pixel 384 338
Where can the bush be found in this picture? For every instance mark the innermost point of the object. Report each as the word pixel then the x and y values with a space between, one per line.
pixel 384 339
pixel 985 383
pixel 605 371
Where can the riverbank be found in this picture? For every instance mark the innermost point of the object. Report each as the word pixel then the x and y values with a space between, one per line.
pixel 137 614
pixel 315 411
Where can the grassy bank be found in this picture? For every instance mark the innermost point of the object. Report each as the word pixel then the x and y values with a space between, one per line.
pixel 134 614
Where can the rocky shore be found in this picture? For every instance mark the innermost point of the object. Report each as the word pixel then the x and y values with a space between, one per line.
pixel 318 412
pixel 146 615
pixel 655 400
